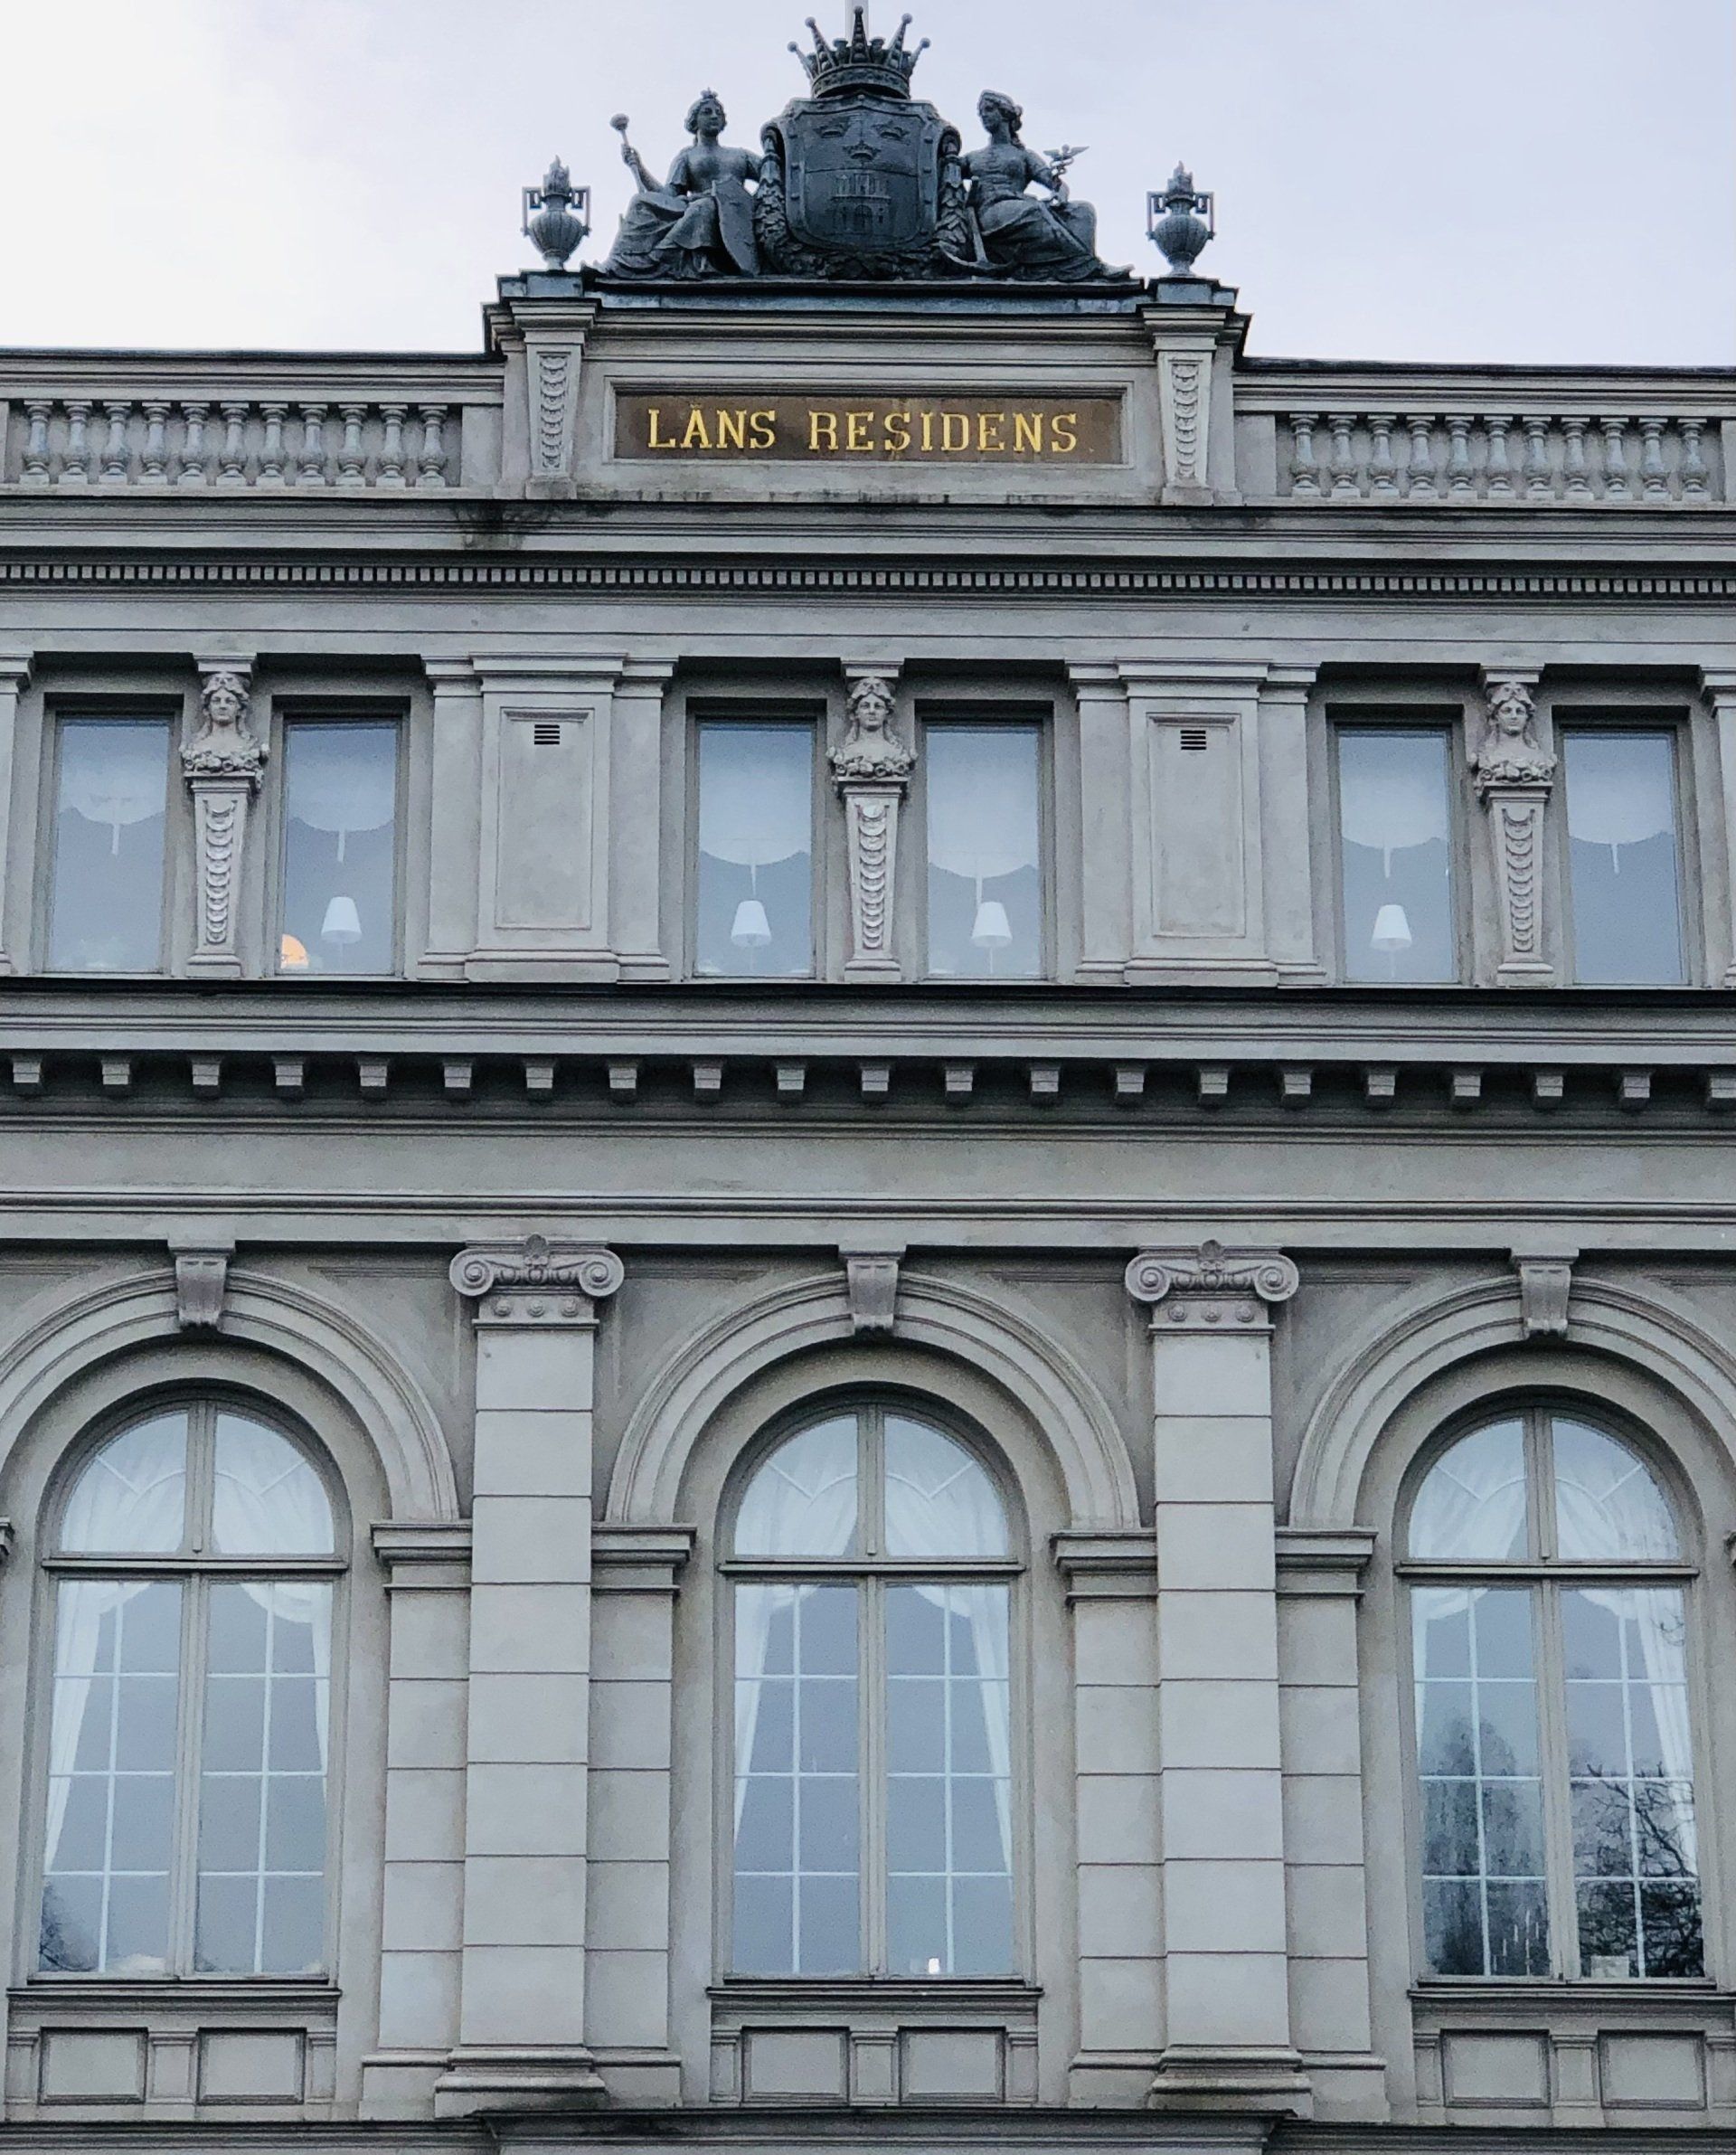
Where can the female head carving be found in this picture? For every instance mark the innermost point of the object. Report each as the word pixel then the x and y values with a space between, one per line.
pixel 993 106
pixel 706 116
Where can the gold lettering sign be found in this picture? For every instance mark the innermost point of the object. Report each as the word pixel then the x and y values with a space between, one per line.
pixel 652 426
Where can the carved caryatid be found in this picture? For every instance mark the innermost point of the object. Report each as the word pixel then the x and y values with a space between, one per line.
pixel 222 763
pixel 1512 774
pixel 871 768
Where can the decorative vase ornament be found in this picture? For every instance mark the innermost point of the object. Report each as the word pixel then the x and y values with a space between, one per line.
pixel 554 216
pixel 1177 222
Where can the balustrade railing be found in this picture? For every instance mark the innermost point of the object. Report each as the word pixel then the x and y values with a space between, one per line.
pixel 1344 456
pixel 232 442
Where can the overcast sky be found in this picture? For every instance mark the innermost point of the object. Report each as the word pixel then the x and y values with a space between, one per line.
pixel 1548 180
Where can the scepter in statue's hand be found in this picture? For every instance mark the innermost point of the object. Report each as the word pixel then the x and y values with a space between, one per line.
pixel 630 158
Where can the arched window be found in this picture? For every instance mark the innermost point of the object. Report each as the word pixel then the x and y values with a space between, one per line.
pixel 872 1829
pixel 1553 1735
pixel 191 1564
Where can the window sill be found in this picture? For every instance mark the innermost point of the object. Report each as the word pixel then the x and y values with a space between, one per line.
pixel 838 1993
pixel 1530 1995
pixel 252 1993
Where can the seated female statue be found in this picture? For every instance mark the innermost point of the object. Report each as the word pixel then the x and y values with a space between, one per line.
pixel 700 222
pixel 1019 235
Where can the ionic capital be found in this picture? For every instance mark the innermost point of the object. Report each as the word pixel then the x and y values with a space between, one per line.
pixel 536 1281
pixel 1209 1286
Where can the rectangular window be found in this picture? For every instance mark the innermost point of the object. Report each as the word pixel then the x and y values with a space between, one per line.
pixel 755 885
pixel 110 805
pixel 1395 844
pixel 983 786
pixel 1623 866
pixel 340 847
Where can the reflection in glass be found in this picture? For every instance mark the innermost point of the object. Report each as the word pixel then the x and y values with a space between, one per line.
pixel 1472 1502
pixel 1623 869
pixel 1608 1507
pixel 265 1499
pixel 939 1500
pixel 756 849
pixel 802 1500
pixel 131 1495
pixel 1485 1910
pixel 106 909
pixel 1397 854
pixel 984 873
pixel 340 847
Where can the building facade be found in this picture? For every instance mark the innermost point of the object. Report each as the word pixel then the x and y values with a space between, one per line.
pixel 865 1272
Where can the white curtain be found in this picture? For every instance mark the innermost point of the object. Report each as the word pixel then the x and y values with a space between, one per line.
pixel 114 771
pixel 981 801
pixel 1472 1505
pixel 1619 791
pixel 1391 793
pixel 756 793
pixel 342 778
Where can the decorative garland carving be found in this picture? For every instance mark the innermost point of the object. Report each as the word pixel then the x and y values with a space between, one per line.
pixel 871 768
pixel 222 764
pixel 872 883
pixel 553 377
pixel 1512 774
pixel 219 816
pixel 1186 384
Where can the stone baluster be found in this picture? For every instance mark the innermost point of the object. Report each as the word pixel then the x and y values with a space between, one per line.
pixel 1383 467
pixel 193 448
pixel 36 414
pixel 392 447
pixel 311 470
pixel 1654 474
pixel 1228 2042
pixel 116 457
pixel 1345 478
pixel 1420 470
pixel 1575 470
pixel 352 469
pixel 1539 480
pixel 871 769
pixel 1614 460
pixel 234 470
pixel 154 459
pixel 14 678
pixel 1720 688
pixel 1513 773
pixel 1694 477
pixel 1500 474
pixel 1304 474
pixel 521 2010
pixel 222 763
pixel 75 463
pixel 273 455
pixel 1461 474
pixel 431 460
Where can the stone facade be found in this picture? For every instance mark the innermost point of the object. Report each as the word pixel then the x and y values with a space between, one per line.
pixel 1196 1235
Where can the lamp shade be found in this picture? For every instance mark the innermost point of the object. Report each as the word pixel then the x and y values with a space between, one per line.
pixel 1391 929
pixel 343 924
pixel 991 930
pixel 751 930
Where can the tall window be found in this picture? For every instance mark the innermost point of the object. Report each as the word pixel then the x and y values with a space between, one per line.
pixel 1623 868
pixel 755 885
pixel 340 847
pixel 111 791
pixel 192 1569
pixel 1553 1726
pixel 1395 847
pixel 873 1818
pixel 984 850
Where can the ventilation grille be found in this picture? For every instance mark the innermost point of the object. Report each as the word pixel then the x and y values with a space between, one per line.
pixel 1194 740
pixel 546 732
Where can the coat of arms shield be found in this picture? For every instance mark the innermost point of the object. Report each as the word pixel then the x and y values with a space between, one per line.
pixel 855 187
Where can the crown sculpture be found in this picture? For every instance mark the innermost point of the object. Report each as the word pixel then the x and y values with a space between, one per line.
pixel 859 180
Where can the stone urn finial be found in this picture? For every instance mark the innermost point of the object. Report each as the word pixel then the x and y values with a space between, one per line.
pixel 554 216
pixel 1181 221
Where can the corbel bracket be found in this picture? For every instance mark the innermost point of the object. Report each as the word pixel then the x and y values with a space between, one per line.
pixel 201 1279
pixel 1545 1283
pixel 870 1280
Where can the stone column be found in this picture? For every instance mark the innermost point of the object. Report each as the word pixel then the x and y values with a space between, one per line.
pixel 223 763
pixel 871 770
pixel 1514 774
pixel 1106 929
pixel 521 2033
pixel 1721 693
pixel 1227 2020
pixel 14 678
pixel 454 838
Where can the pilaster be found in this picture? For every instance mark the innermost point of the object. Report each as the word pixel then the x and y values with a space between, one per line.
pixel 636 782
pixel 1720 691
pixel 454 835
pixel 1228 2041
pixel 872 771
pixel 14 678
pixel 1286 827
pixel 223 763
pixel 523 2040
pixel 1194 330
pixel 1105 930
pixel 1514 775
pixel 541 327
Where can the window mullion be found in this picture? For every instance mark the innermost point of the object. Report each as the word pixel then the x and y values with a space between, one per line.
pixel 184 1863
pixel 871 1722
pixel 1557 1798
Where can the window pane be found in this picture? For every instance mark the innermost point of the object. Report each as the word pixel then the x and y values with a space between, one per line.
pixel 1608 1507
pixel 108 1831
pixel 939 1502
pixel 262 1779
pixel 132 1495
pixel 1635 1853
pixel 948 1791
pixel 798 1790
pixel 266 1500
pixel 106 914
pixel 756 850
pixel 1398 857
pixel 1485 1910
pixel 1472 1504
pixel 339 847
pixel 985 857
pixel 802 1500
pixel 1622 856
